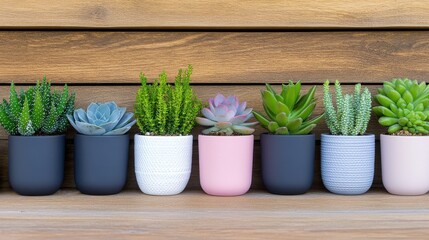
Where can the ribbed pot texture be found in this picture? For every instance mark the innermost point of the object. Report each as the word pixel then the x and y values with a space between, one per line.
pixel 405 164
pixel 36 164
pixel 162 163
pixel 287 163
pixel 225 164
pixel 101 163
pixel 347 163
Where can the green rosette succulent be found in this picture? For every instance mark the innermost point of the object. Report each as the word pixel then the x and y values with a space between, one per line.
pixel 403 106
pixel 351 115
pixel 288 112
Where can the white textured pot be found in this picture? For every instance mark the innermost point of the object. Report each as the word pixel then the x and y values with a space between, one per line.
pixel 162 163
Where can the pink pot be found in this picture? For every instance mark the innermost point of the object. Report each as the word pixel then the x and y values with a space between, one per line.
pixel 225 164
pixel 405 164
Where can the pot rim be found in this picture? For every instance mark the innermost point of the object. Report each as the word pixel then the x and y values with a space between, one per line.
pixel 349 136
pixel 288 135
pixel 41 136
pixel 102 136
pixel 138 135
pixel 232 136
pixel 396 136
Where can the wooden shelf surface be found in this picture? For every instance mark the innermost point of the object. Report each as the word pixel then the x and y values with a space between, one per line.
pixel 195 215
pixel 220 14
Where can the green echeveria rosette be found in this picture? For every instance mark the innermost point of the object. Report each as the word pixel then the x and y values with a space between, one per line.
pixel 403 106
pixel 288 112
pixel 102 119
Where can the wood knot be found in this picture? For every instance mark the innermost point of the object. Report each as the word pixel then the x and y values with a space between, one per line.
pixel 98 13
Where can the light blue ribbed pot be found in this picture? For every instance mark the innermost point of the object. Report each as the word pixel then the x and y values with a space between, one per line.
pixel 348 163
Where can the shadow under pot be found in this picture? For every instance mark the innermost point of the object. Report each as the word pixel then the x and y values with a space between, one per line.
pixel 101 163
pixel 36 164
pixel 287 163
pixel 405 164
pixel 225 164
pixel 162 163
pixel 348 163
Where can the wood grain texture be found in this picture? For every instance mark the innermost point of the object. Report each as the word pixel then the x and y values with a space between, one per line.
pixel 218 57
pixel 194 215
pixel 185 14
pixel 125 96
pixel 194 182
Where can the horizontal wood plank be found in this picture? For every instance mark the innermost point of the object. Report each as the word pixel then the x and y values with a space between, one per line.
pixel 217 57
pixel 125 96
pixel 195 215
pixel 194 182
pixel 223 14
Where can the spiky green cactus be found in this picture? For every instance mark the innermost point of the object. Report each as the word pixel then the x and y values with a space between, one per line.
pixel 403 105
pixel 163 109
pixel 352 112
pixel 36 111
pixel 288 112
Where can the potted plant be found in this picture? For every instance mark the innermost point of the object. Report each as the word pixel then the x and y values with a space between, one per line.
pixel 287 151
pixel 101 147
pixel 36 121
pixel 348 152
pixel 226 147
pixel 163 149
pixel 403 107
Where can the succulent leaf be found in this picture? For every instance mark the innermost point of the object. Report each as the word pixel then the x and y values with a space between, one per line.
pixel 294 125
pixel 25 127
pixel 282 131
pixel 261 119
pixel 352 112
pixel 282 119
pixel 102 119
pixel 289 116
pixel 273 126
pixel 408 112
pixel 227 116
pixel 270 101
pixel 37 110
pixel 305 130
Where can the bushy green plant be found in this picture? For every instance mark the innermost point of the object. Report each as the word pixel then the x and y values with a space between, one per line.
pixel 352 112
pixel 288 112
pixel 163 109
pixel 403 106
pixel 36 111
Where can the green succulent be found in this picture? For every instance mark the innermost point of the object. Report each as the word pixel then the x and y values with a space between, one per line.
pixel 288 112
pixel 352 112
pixel 164 109
pixel 36 111
pixel 403 105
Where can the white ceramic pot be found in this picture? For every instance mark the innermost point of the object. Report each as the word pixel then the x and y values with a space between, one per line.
pixel 162 163
pixel 405 164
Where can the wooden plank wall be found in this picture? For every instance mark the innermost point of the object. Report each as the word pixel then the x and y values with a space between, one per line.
pixel 100 47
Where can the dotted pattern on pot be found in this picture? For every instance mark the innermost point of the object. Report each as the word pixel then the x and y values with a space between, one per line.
pixel 162 164
pixel 348 163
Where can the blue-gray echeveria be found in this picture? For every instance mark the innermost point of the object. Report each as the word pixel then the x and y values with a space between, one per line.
pixel 102 119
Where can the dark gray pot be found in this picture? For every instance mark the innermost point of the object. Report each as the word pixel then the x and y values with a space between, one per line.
pixel 287 163
pixel 101 163
pixel 36 164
